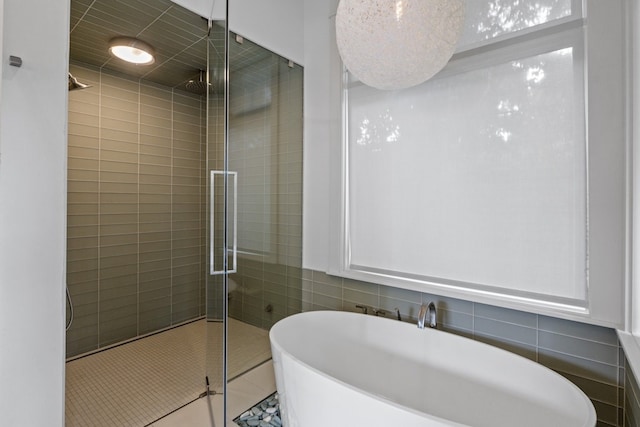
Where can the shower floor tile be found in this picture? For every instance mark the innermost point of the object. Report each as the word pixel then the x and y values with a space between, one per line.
pixel 243 392
pixel 137 383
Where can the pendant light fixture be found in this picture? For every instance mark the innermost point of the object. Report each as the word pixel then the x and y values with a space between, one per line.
pixel 132 50
pixel 395 44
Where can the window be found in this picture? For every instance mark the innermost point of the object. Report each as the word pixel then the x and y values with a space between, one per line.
pixel 492 181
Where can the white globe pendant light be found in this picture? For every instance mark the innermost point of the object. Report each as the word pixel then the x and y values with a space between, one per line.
pixel 395 44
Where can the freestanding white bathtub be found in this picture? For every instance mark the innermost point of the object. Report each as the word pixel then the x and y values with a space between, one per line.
pixel 346 369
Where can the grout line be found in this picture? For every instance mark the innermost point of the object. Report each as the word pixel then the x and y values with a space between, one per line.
pixel 583 358
pixel 482 334
pixel 508 323
pixel 83 16
pixel 201 202
pixel 537 338
pixel 138 215
pixel 473 320
pixel 171 213
pixel 621 385
pixel 155 20
pixel 99 201
pixel 581 338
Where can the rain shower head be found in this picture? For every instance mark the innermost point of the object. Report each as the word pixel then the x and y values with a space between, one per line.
pixel 199 86
pixel 74 84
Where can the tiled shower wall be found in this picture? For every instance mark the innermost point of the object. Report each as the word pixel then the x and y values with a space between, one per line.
pixel 265 131
pixel 590 356
pixel 136 165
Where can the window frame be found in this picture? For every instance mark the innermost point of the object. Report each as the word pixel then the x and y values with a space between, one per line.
pixel 629 334
pixel 607 180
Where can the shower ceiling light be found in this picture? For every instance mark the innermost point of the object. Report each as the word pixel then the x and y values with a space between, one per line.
pixel 132 50
pixel 395 44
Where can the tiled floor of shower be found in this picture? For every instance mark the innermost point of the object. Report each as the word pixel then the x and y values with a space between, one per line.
pixel 242 393
pixel 137 383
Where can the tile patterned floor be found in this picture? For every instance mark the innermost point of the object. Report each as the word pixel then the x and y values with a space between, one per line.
pixel 139 382
pixel 242 393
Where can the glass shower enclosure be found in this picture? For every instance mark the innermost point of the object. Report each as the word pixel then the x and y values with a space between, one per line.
pixel 254 179
pixel 184 209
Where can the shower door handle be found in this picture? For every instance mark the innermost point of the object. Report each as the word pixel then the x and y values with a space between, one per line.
pixel 234 250
pixel 234 263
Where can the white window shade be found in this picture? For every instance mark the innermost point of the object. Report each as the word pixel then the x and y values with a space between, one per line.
pixel 476 178
pixel 502 181
pixel 495 19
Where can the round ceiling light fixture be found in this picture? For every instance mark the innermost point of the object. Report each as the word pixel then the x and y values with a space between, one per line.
pixel 132 50
pixel 395 44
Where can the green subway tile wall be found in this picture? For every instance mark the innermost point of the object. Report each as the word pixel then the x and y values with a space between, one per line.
pixel 136 163
pixel 589 356
pixel 631 400
pixel 265 132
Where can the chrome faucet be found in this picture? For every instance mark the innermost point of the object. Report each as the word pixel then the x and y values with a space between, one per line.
pixel 427 312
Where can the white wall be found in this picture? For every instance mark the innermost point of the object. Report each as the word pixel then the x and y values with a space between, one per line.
pixel 633 305
pixel 201 7
pixel 322 137
pixel 33 115
pixel 277 25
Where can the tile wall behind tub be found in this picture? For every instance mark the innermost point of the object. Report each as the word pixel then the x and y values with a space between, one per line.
pixel 590 356
pixel 631 400
pixel 135 220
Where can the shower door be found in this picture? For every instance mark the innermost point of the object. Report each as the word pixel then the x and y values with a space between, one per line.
pixel 216 263
pixel 254 179
pixel 263 203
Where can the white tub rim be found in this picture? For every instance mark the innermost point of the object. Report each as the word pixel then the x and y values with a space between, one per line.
pixel 591 419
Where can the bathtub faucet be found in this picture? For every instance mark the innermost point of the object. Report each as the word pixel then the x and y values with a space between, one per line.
pixel 427 312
